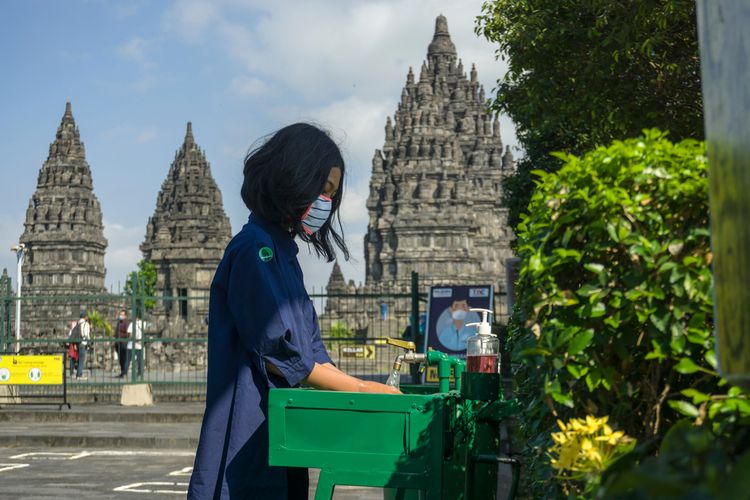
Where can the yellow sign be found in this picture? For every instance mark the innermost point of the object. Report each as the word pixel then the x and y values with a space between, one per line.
pixel 31 370
pixel 432 375
pixel 365 351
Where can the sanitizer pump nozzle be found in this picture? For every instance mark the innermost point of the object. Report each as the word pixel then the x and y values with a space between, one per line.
pixel 483 348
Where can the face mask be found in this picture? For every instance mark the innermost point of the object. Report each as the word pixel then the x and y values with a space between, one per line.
pixel 459 315
pixel 317 214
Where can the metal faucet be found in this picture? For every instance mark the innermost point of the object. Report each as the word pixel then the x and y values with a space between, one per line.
pixel 411 356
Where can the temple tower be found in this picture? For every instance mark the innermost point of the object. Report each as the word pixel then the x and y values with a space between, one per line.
pixel 64 237
pixel 435 192
pixel 435 195
pixel 185 239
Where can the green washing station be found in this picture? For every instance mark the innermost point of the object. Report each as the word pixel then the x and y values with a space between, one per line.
pixel 432 442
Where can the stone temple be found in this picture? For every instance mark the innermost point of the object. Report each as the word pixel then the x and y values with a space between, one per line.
pixel 185 239
pixel 64 238
pixel 435 191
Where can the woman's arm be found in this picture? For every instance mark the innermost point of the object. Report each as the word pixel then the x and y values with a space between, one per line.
pixel 330 378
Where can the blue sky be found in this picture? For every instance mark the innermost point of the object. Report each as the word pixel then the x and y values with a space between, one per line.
pixel 136 71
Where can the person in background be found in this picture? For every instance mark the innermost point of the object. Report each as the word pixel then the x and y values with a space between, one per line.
pixel 80 335
pixel 72 349
pixel 121 335
pixel 135 348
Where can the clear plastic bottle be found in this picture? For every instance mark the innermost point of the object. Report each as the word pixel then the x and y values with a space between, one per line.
pixel 394 379
pixel 482 349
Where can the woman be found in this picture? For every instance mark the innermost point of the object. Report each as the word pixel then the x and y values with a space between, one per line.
pixel 263 330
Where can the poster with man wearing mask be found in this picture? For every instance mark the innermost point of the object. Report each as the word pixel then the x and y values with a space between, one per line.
pixel 448 316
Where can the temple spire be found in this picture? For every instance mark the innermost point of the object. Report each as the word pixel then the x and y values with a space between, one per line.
pixel 336 282
pixel 63 213
pixel 441 46
pixel 67 146
pixel 186 235
pixel 189 139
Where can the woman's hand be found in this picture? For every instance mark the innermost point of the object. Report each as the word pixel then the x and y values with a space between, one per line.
pixel 329 378
pixel 377 388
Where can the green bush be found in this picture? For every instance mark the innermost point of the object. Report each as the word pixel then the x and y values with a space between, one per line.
pixel 614 308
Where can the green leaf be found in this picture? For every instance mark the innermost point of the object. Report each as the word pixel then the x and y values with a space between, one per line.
pixel 660 322
pixel 594 268
pixel 587 290
pixel 710 358
pixel 563 399
pixel 684 408
pixel 593 379
pixel 577 371
pixel 613 232
pixel 613 321
pixel 598 310
pixel 580 342
pixel 686 366
pixel 697 396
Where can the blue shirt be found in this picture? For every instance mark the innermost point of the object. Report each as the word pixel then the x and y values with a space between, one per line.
pixel 454 340
pixel 259 313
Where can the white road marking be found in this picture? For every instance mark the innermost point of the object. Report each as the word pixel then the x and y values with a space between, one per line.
pixel 141 453
pixel 4 467
pixel 138 487
pixel 185 471
pixel 44 455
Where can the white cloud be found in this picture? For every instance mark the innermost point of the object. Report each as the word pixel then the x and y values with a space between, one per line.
pixel 248 86
pixel 146 135
pixel 190 19
pixel 122 252
pixel 134 49
pixel 324 48
pixel 125 134
pixel 139 51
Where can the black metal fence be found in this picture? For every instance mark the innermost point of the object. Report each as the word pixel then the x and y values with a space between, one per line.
pixel 171 355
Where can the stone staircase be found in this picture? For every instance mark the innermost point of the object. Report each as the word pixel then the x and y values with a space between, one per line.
pixel 162 426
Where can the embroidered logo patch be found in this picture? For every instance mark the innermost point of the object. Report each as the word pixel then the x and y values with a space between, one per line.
pixel 265 254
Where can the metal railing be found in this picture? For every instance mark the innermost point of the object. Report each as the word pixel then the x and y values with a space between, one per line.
pixel 173 350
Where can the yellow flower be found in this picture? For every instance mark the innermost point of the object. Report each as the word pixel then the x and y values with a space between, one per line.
pixel 568 456
pixel 585 447
pixel 612 438
pixel 559 437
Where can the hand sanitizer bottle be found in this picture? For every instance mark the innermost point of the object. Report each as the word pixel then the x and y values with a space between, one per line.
pixel 482 349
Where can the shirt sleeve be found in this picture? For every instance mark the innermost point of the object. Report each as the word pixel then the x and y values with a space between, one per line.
pixel 261 310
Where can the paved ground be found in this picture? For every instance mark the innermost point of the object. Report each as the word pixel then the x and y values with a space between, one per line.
pixel 107 451
pixel 47 473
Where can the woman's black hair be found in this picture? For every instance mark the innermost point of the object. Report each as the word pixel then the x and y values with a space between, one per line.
pixel 286 173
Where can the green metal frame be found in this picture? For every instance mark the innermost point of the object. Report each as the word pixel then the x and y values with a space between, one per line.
pixel 374 440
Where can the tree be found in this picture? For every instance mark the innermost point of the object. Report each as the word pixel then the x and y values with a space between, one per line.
pixel 98 322
pixel 145 284
pixel 585 72
pixel 614 313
